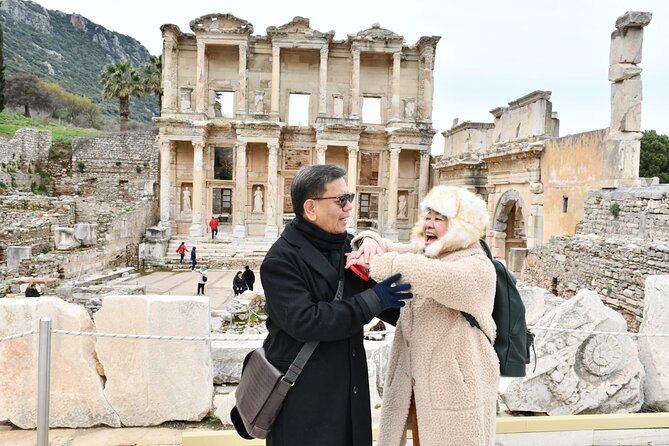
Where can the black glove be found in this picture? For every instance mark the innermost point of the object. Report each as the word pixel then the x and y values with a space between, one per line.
pixel 391 295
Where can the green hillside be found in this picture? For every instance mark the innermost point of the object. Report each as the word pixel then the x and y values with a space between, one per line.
pixel 70 50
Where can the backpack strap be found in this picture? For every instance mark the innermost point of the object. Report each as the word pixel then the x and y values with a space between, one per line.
pixel 471 319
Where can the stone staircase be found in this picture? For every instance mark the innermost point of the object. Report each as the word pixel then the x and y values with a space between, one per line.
pixel 225 252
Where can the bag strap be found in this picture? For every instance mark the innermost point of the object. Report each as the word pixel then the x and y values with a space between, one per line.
pixel 307 349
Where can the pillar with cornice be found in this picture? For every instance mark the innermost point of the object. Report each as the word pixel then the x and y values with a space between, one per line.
pixel 320 153
pixel 166 151
pixel 393 177
pixel 197 227
pixel 239 206
pixel 395 110
pixel 323 81
pixel 271 198
pixel 352 176
pixel 424 173
pixel 428 83
pixel 170 87
pixel 242 103
pixel 276 78
pixel 201 92
pixel 355 82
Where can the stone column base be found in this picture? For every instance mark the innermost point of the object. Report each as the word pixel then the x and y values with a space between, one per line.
pixel 271 232
pixel 196 230
pixel 239 231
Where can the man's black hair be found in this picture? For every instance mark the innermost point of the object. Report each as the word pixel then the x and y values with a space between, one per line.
pixel 310 182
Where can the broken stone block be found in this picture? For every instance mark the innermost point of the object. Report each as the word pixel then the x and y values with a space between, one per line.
pixel 654 351
pixel 228 357
pixel 580 372
pixel 626 46
pixel 77 398
pixel 65 239
pixel 17 253
pixel 86 233
pixel 152 381
pixel 626 99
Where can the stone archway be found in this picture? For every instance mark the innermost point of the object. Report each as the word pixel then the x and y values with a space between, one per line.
pixel 509 227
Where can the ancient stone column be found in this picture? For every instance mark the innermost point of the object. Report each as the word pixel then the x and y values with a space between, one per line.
pixel 201 92
pixel 323 88
pixel 621 161
pixel 395 112
pixel 239 206
pixel 355 83
pixel 276 78
pixel 166 150
pixel 423 173
pixel 242 102
pixel 352 180
pixel 428 84
pixel 170 86
pixel 320 153
pixel 393 177
pixel 197 226
pixel 271 198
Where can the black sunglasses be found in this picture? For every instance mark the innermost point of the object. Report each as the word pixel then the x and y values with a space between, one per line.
pixel 343 199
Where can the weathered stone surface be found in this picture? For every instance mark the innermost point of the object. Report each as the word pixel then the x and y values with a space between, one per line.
pixel 64 238
pixel 634 19
pixel 538 302
pixel 581 372
pixel 654 351
pixel 153 381
pixel 227 357
pixel 85 233
pixel 77 398
pixel 623 71
pixel 17 253
pixel 626 46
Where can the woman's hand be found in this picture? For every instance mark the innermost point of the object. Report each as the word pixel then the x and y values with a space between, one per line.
pixel 367 251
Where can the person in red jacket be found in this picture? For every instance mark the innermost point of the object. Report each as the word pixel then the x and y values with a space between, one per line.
pixel 213 224
pixel 182 250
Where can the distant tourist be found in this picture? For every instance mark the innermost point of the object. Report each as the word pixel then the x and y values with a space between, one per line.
pixel 238 284
pixel 202 281
pixel 193 259
pixel 182 250
pixel 213 224
pixel 32 290
pixel 249 277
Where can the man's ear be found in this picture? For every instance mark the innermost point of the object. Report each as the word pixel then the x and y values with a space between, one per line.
pixel 310 210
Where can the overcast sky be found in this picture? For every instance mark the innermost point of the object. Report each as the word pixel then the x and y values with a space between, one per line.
pixel 491 52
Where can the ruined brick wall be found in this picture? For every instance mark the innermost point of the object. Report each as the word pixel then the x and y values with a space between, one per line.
pixel 28 220
pixel 115 168
pixel 28 147
pixel 611 255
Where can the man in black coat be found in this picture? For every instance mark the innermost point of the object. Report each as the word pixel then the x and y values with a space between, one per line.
pixel 329 403
pixel 249 277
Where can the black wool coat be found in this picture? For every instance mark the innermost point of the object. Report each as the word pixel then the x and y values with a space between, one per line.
pixel 329 403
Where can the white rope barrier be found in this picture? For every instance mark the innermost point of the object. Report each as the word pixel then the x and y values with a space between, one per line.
pixel 19 335
pixel 261 336
pixel 600 332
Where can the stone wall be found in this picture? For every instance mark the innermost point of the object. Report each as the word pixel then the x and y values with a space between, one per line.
pixel 27 148
pixel 610 254
pixel 115 169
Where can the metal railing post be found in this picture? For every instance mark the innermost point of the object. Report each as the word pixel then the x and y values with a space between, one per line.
pixel 43 381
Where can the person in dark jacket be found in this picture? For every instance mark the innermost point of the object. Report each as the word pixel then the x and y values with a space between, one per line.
pixel 329 403
pixel 238 284
pixel 193 259
pixel 32 291
pixel 249 277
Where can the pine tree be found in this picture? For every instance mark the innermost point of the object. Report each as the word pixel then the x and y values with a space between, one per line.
pixel 3 99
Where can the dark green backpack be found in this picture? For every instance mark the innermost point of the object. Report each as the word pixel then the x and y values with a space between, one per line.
pixel 513 340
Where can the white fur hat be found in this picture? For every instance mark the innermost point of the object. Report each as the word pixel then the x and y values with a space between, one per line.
pixel 467 218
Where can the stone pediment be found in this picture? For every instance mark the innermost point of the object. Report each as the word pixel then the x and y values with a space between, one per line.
pixel 298 28
pixel 221 23
pixel 377 33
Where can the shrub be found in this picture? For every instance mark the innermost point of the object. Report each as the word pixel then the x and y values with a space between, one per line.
pixel 615 210
pixel 81 166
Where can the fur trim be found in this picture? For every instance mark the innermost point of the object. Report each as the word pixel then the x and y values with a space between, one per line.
pixel 467 218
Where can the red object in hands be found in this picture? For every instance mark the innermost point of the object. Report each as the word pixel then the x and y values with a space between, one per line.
pixel 360 271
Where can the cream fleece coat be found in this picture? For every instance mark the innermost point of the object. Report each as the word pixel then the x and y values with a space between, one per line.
pixel 449 365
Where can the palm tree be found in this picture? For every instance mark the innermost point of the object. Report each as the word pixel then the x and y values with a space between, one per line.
pixel 152 78
pixel 120 80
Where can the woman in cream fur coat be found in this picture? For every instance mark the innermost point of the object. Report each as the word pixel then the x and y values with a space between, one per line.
pixel 447 366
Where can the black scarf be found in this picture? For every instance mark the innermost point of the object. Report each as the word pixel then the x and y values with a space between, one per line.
pixel 330 245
